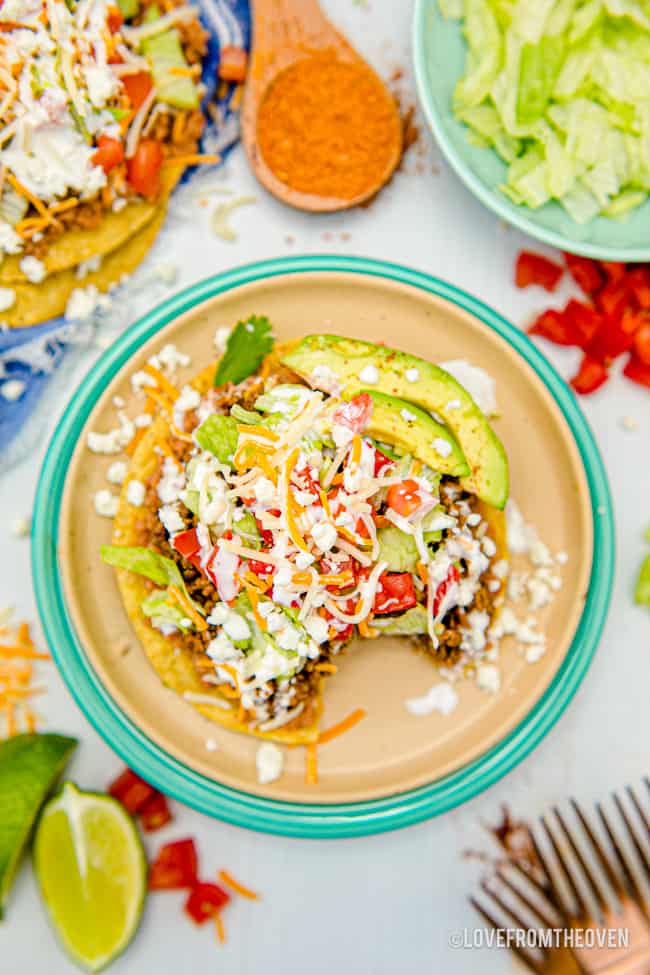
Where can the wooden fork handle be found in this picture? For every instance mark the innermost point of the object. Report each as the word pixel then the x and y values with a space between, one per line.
pixel 634 963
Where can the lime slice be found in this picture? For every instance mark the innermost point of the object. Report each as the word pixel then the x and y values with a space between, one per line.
pixel 29 768
pixel 93 874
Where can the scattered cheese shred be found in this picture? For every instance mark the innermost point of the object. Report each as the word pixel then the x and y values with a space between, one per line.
pixel 179 596
pixel 16 672
pixel 229 881
pixel 338 729
pixel 162 381
pixel 311 768
pixel 220 929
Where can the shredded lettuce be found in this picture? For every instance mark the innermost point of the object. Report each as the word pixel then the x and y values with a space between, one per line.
pixel 145 562
pixel 161 612
pixel 218 435
pixel 246 528
pixel 559 89
pixel 397 549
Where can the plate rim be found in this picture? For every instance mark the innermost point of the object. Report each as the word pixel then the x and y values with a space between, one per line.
pixel 494 201
pixel 331 820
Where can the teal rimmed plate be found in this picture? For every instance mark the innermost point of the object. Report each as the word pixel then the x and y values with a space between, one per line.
pixel 439 57
pixel 393 769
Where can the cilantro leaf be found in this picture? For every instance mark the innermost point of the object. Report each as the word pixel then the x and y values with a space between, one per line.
pixel 247 345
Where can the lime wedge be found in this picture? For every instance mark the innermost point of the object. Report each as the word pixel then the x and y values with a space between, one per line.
pixel 29 768
pixel 93 874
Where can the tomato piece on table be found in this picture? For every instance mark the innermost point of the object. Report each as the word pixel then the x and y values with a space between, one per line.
pixel 109 153
pixel 132 791
pixel 233 64
pixel 637 371
pixel 451 579
pixel 155 813
pixel 584 321
pixel 536 269
pixel 639 282
pixel 175 866
pixel 615 270
pixel 143 169
pixel 587 274
pixel 591 375
pixel 555 326
pixel 205 901
pixel 614 298
pixel 641 344
pixel 355 414
pixel 395 594
pixel 138 86
pixel 404 498
pixel 614 337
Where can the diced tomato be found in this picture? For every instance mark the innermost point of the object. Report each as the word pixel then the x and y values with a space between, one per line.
pixel 261 568
pixel 187 542
pixel 115 58
pixel 404 498
pixel 138 86
pixel 614 337
pixel 155 813
pixel 637 371
pixel 586 274
pixel 132 791
pixel 591 375
pixel 614 298
pixel 554 326
pixel 639 283
pixel 451 579
pixel 233 64
pixel 535 269
pixel 175 867
pixel 615 270
pixel 143 169
pixel 382 462
pixel 114 19
pixel 355 414
pixel 205 901
pixel 641 345
pixel 397 593
pixel 584 321
pixel 109 154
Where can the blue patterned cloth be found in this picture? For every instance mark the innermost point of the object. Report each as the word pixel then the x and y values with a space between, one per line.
pixel 31 355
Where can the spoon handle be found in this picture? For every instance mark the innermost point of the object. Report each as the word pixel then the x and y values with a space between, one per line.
pixel 283 26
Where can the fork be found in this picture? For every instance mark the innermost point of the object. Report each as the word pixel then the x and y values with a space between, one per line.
pixel 589 904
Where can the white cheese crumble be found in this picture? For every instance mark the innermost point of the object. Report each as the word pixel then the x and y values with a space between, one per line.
pixel 488 678
pixel 116 473
pixel 113 441
pixel 84 302
pixel 221 337
pixel 407 416
pixel 12 389
pixel 33 269
pixel 171 520
pixel 412 375
pixel 135 493
pixel 324 535
pixel 169 359
pixel 478 383
pixel 442 447
pixel 440 697
pixel 20 527
pixel 7 298
pixel 322 377
pixel 106 503
pixel 269 762
pixel 369 374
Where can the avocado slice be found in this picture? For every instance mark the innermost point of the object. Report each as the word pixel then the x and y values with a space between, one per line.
pixel 164 51
pixel 415 432
pixel 129 8
pixel 411 623
pixel 334 363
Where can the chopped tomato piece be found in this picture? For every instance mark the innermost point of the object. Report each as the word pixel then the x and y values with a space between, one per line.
pixel 155 813
pixel 637 371
pixel 233 64
pixel 205 901
pixel 639 282
pixel 591 375
pixel 615 270
pixel 404 498
pixel 261 568
pixel 132 791
pixel 114 19
pixel 187 543
pixel 535 269
pixel 109 154
pixel 554 326
pixel 586 274
pixel 614 337
pixel 451 579
pixel 584 321
pixel 382 462
pixel 137 87
pixel 175 867
pixel 143 169
pixel 641 345
pixel 355 414
pixel 395 593
pixel 614 298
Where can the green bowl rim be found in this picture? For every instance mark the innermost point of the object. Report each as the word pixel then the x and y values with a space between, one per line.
pixel 519 216
pixel 237 807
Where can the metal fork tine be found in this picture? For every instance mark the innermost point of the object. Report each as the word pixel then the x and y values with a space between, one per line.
pixel 551 889
pixel 602 857
pixel 586 869
pixel 568 876
pixel 534 909
pixel 630 879
pixel 643 816
pixel 642 855
pixel 532 964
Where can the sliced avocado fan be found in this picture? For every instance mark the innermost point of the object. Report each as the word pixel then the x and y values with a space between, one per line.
pixel 335 364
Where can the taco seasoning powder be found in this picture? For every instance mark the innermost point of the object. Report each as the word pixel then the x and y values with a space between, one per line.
pixel 328 127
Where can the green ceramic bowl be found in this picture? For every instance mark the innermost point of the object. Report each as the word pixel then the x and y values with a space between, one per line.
pixel 327 820
pixel 439 57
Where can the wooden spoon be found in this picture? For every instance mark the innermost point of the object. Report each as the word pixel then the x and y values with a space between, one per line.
pixel 285 32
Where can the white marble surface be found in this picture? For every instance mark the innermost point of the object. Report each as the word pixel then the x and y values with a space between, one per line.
pixel 388 903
